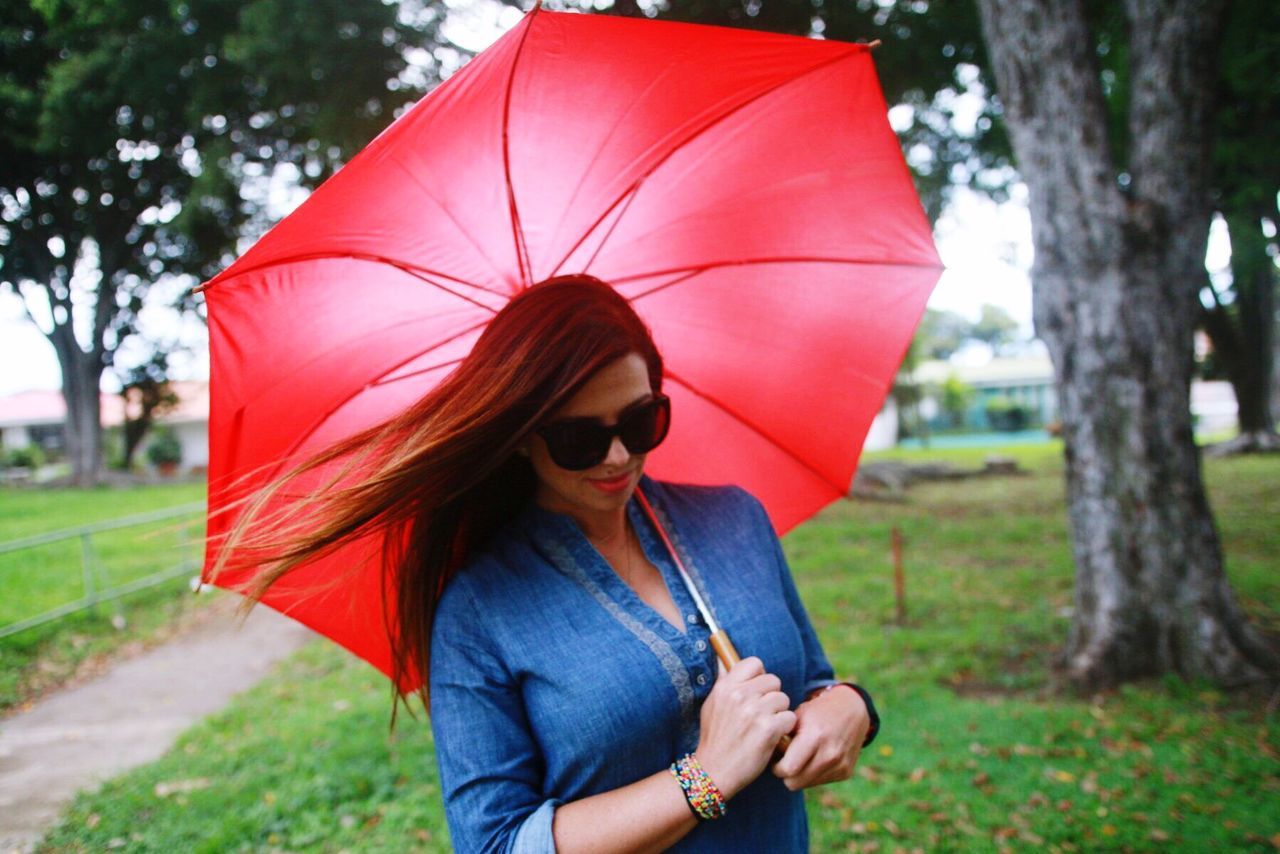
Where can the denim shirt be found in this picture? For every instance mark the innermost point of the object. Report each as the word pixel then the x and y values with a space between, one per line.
pixel 551 680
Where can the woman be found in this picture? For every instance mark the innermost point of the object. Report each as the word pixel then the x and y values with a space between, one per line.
pixel 572 690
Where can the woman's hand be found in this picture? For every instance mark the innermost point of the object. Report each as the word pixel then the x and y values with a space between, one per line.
pixel 743 718
pixel 825 746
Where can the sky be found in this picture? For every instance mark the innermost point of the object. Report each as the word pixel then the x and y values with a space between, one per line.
pixel 985 246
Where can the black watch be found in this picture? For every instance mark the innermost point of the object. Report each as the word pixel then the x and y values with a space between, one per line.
pixel 871 711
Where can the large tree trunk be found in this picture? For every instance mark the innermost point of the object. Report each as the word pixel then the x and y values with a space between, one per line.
pixel 1242 334
pixel 1116 276
pixel 81 375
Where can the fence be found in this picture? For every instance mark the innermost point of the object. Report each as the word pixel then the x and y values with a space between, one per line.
pixel 95 581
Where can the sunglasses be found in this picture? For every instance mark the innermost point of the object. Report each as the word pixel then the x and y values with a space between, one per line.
pixel 580 443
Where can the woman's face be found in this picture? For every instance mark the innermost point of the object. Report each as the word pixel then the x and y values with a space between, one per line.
pixel 607 486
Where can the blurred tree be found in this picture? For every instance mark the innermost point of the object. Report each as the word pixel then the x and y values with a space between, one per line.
pixel 147 394
pixel 1242 321
pixel 957 396
pixel 995 328
pixel 1120 197
pixel 130 127
pixel 941 333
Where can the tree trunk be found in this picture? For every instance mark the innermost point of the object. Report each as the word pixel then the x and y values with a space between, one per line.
pixel 1116 278
pixel 1243 334
pixel 81 375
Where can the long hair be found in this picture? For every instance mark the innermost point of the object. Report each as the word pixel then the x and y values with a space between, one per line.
pixel 439 479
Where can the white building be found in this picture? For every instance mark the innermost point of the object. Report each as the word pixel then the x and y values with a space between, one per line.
pixel 37 417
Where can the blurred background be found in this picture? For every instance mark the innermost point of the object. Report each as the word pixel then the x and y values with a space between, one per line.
pixel 146 143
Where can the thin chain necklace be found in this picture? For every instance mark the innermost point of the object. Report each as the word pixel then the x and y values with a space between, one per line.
pixel 626 548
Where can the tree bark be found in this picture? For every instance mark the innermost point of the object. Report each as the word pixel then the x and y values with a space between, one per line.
pixel 80 379
pixel 1242 334
pixel 1118 265
pixel 81 369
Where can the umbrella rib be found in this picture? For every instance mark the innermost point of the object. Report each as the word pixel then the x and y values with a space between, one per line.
pixel 421 273
pixel 319 422
pixel 746 422
pixel 684 273
pixel 522 249
pixel 422 185
pixel 635 185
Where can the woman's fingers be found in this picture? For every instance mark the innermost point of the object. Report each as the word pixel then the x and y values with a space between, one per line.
pixel 794 764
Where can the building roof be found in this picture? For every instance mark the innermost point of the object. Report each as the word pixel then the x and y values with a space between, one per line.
pixel 32 408
pixel 1002 371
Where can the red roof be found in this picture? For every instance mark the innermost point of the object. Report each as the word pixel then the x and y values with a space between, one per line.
pixel 48 407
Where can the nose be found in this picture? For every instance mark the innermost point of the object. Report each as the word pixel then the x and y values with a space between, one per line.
pixel 618 454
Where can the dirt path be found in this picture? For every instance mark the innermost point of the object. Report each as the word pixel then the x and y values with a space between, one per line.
pixel 129 715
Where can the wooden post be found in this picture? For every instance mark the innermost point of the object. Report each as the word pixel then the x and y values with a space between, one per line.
pixel 899 585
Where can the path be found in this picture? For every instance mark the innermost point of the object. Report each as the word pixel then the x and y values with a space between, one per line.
pixel 129 715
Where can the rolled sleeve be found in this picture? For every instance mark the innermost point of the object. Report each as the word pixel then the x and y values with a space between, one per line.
pixel 818 670
pixel 490 765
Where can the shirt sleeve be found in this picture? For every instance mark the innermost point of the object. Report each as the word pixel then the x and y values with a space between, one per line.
pixel 490 764
pixel 818 671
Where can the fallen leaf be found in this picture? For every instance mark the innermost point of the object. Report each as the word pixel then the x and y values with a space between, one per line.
pixel 168 787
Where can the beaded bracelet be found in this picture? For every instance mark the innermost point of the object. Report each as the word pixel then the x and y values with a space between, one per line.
pixel 702 794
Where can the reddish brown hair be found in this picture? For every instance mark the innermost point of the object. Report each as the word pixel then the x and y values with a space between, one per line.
pixel 437 480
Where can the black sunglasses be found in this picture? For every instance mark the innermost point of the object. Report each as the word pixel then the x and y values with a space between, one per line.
pixel 580 443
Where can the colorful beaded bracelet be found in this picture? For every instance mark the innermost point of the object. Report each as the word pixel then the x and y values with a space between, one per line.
pixel 702 794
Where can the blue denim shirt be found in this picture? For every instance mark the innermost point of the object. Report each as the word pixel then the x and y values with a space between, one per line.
pixel 551 680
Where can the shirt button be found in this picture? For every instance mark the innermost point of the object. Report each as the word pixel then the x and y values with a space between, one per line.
pixel 702 679
pixel 702 645
pixel 693 618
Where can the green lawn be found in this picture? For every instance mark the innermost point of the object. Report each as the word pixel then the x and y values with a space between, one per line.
pixel 970 757
pixel 37 579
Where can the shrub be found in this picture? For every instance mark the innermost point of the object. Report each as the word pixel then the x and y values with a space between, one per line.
pixel 1006 414
pixel 25 457
pixel 164 448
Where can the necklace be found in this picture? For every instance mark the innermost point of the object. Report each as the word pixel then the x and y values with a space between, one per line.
pixel 626 549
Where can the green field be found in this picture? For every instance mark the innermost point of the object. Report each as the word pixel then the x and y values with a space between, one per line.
pixel 44 577
pixel 971 757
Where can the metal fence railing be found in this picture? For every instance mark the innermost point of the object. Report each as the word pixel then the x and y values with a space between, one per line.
pixel 116 558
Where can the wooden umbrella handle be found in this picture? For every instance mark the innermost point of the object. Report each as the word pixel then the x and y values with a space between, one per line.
pixel 729 656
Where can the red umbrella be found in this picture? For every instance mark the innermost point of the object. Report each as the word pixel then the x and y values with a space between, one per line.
pixel 743 189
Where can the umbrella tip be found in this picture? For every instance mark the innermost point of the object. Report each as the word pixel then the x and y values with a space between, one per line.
pixel 871 45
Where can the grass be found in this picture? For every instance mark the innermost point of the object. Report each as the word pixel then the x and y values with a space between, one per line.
pixel 40 578
pixel 971 757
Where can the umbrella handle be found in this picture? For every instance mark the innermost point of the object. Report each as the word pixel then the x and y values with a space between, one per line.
pixel 728 657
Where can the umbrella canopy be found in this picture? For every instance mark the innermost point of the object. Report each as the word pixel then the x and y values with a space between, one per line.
pixel 742 189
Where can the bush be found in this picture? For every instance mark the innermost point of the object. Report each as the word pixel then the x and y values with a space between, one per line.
pixel 1006 414
pixel 26 457
pixel 164 448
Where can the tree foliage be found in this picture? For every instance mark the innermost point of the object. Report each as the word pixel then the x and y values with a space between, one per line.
pixel 131 127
